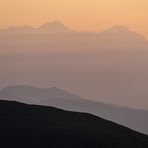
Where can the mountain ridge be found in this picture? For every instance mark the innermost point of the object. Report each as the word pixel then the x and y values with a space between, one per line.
pixel 26 91
pixel 133 118
pixel 56 35
pixel 59 27
pixel 31 125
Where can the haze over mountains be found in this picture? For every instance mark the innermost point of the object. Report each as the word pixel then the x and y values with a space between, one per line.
pixel 56 34
pixel 110 66
pixel 132 118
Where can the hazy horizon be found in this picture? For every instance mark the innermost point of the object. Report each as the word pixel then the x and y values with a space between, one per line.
pixel 83 15
pixel 109 66
pixel 83 30
pixel 68 64
pixel 96 49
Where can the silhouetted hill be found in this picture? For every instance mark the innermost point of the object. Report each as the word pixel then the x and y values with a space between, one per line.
pixel 23 125
pixel 132 118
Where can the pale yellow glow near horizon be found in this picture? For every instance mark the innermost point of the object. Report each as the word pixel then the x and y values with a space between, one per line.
pixel 93 15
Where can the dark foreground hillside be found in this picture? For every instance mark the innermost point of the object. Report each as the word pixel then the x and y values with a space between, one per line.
pixel 31 126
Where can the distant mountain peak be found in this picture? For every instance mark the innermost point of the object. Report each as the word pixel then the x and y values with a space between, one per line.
pixel 55 27
pixel 122 33
pixel 54 88
pixel 54 23
pixel 120 27
pixel 58 90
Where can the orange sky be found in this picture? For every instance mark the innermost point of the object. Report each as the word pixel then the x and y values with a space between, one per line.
pixel 92 15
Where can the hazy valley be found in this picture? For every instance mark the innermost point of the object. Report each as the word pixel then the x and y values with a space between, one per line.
pixel 109 66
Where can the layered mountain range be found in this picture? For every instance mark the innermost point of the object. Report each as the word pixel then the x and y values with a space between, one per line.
pixel 132 118
pixel 55 35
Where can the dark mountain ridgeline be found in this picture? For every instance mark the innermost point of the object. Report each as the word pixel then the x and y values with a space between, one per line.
pixel 25 125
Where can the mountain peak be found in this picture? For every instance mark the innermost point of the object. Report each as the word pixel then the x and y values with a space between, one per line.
pixel 118 31
pixel 56 22
pixel 55 88
pixel 123 34
pixel 55 27
pixel 120 27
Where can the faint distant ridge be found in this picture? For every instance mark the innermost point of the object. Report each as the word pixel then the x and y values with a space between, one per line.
pixel 122 32
pixel 52 35
pixel 33 94
pixel 55 27
pixel 118 28
pixel 59 27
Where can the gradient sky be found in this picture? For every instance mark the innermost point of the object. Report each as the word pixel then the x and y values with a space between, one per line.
pixel 92 15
